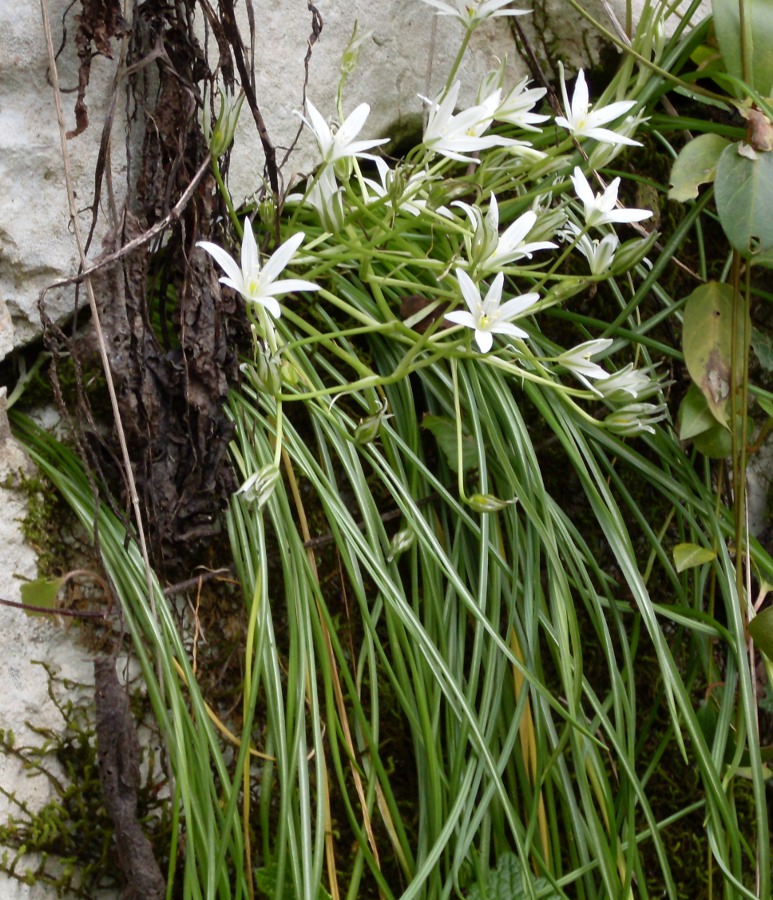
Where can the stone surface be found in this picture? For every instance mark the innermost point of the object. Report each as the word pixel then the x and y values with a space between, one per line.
pixel 409 51
pixel 24 641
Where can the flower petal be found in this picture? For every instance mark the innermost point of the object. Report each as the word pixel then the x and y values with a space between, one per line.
pixel 470 292
pixel 484 340
pixel 515 307
pixel 279 259
pixel 250 257
pixel 580 97
pixel 226 263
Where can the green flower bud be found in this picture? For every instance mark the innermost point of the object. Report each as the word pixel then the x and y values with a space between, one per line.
pixel 488 503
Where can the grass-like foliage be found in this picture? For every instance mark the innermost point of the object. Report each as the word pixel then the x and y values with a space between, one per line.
pixel 472 658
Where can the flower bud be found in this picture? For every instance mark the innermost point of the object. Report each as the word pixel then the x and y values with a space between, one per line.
pixel 488 503
pixel 369 428
pixel 259 487
pixel 400 543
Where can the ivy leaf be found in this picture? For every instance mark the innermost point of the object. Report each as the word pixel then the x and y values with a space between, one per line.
pixel 506 882
pixel 694 417
pixel 761 630
pixel 688 556
pixel 695 165
pixel 444 430
pixel 41 592
pixel 757 43
pixel 744 194
pixel 762 344
pixel 707 341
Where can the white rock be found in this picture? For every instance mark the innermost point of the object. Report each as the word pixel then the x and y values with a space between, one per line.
pixel 409 51
pixel 23 641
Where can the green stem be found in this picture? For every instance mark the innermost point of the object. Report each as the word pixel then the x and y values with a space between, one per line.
pixel 226 197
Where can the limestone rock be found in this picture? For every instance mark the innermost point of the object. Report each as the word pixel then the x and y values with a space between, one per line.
pixel 409 51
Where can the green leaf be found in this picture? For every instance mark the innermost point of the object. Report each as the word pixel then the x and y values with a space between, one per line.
pixel 716 443
pixel 506 882
pixel 688 556
pixel 41 592
pixel 761 630
pixel 765 405
pixel 707 341
pixel 444 430
pixel 695 165
pixel 758 41
pixel 744 194
pixel 694 417
pixel 762 344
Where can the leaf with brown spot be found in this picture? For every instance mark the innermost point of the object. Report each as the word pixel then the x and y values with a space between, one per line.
pixel 707 341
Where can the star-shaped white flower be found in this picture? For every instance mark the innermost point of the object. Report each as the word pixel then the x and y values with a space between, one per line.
pixel 578 360
pixel 581 121
pixel 490 316
pixel 515 106
pixel 634 418
pixel 488 250
pixel 472 12
pixel 340 144
pixel 599 254
pixel 325 195
pixel 456 136
pixel 636 383
pixel 259 285
pixel 407 194
pixel 599 209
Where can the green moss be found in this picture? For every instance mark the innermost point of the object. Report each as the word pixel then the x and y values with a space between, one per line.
pixel 42 525
pixel 68 843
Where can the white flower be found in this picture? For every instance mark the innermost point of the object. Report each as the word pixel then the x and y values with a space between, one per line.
pixel 490 251
pixel 472 12
pixel 407 195
pixel 636 383
pixel 259 487
pixel 578 360
pixel 582 122
pixel 600 208
pixel 489 316
pixel 515 106
pixel 455 136
pixel 635 417
pixel 259 285
pixel 340 144
pixel 325 196
pixel 599 254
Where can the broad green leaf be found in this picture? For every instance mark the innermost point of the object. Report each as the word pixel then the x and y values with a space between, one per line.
pixel 695 417
pixel 761 630
pixel 744 194
pixel 506 882
pixel 444 430
pixel 765 405
pixel 716 443
pixel 762 344
pixel 695 165
pixel 687 556
pixel 41 592
pixel 758 17
pixel 707 341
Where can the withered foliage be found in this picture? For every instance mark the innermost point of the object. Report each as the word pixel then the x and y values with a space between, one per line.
pixel 99 22
pixel 172 333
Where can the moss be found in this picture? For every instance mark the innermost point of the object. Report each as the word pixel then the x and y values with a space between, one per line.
pixel 67 844
pixel 42 525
